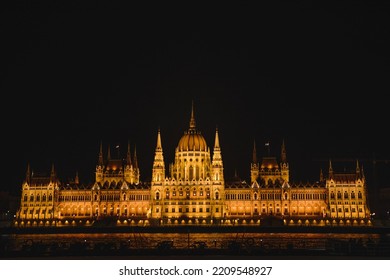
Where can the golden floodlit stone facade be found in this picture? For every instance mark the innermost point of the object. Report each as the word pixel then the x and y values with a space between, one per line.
pixel 194 192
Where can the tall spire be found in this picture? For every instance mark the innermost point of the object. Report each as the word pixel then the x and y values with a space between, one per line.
pixel 135 161
pixel 330 169
pixel 254 155
pixel 128 157
pixel 192 121
pixel 159 146
pixel 357 169
pixel 158 163
pixel 76 179
pixel 217 165
pixel 28 173
pixel 100 162
pixel 216 143
pixel 52 173
pixel 158 154
pixel 283 153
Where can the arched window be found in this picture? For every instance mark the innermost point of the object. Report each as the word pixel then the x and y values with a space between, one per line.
pixel 345 195
pixel 255 196
pixel 332 195
pixel 339 195
pixel 25 197
pixel 38 197
pixel 50 197
pixel 352 194
pixel 44 197
pixel 124 196
pixel 31 198
pixel 360 195
pixel 216 195
pixel 157 196
pixel 285 196
pixel 95 197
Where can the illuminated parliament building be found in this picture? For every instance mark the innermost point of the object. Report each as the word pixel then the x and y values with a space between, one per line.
pixel 192 191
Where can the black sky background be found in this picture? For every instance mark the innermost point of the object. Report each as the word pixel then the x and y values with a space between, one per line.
pixel 73 75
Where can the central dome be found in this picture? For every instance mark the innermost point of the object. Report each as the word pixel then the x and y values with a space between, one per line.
pixel 192 140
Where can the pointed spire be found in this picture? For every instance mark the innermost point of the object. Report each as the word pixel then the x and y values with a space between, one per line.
pixel 28 173
pixel 358 174
pixel 76 178
pixel 330 169
pixel 159 145
pixel 321 175
pixel 158 172
pixel 217 156
pixel 192 121
pixel 135 161
pixel 254 155
pixel 52 173
pixel 283 153
pixel 100 162
pixel 216 143
pixel 128 157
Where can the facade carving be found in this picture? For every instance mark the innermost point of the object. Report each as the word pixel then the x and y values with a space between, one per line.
pixel 194 191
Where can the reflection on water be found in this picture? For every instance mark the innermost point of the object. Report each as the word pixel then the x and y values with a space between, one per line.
pixel 133 244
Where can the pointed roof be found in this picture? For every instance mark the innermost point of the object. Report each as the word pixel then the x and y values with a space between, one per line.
pixel 128 157
pixel 100 161
pixel 159 146
pixel 283 153
pixel 135 161
pixel 52 173
pixel 192 140
pixel 192 120
pixel 76 179
pixel 28 173
pixel 216 143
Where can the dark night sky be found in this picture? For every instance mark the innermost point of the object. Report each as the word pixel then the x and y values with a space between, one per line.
pixel 73 75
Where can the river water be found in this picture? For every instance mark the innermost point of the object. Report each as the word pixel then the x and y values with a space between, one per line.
pixel 233 244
